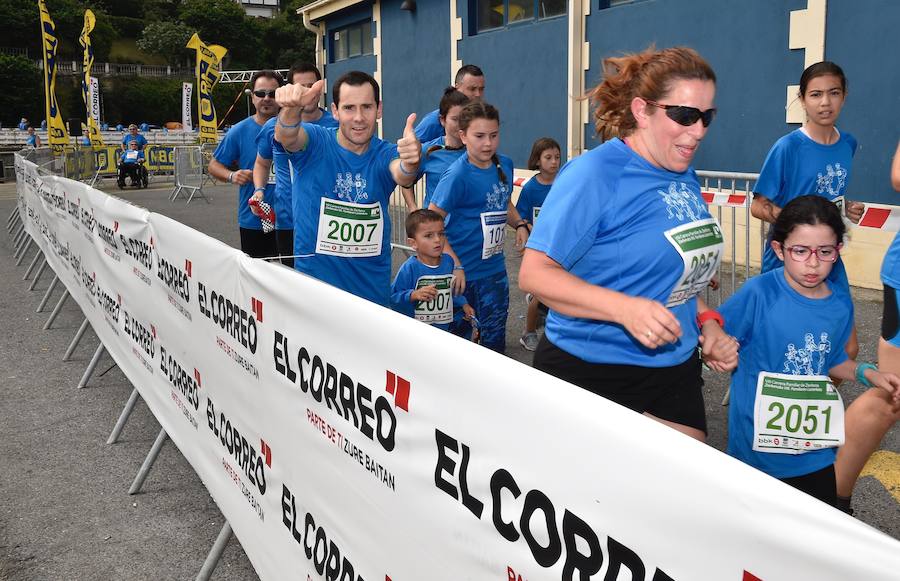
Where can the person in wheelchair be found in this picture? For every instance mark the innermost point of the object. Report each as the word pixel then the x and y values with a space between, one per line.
pixel 131 165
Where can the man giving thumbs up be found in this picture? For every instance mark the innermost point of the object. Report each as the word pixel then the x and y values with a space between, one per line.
pixel 342 228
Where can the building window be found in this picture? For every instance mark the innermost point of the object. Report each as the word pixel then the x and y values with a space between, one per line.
pixel 351 41
pixel 498 13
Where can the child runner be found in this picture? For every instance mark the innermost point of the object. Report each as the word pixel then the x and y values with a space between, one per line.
pixel 473 197
pixel 422 287
pixel 786 418
pixel 545 156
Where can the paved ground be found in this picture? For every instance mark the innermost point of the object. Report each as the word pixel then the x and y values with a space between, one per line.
pixel 64 508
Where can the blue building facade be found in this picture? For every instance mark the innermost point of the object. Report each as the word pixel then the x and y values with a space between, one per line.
pixel 539 61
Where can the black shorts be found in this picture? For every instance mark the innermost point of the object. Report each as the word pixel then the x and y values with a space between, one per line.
pixel 284 239
pixel 889 319
pixel 673 393
pixel 257 244
pixel 821 484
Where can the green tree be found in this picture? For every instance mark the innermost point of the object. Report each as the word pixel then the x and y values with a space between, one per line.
pixel 224 22
pixel 286 40
pixel 26 97
pixel 68 16
pixel 167 39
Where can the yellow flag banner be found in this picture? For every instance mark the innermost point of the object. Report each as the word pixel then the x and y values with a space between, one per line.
pixel 85 40
pixel 209 58
pixel 56 129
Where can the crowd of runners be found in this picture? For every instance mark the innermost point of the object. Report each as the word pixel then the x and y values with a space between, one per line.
pixel 617 246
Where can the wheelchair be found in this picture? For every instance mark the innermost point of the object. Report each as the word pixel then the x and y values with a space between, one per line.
pixel 135 172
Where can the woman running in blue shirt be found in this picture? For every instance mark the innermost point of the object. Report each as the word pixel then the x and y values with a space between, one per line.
pixel 625 244
pixel 473 196
pixel 786 417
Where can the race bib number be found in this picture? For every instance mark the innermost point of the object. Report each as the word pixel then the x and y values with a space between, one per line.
pixel 534 214
pixel 272 172
pixel 439 309
pixel 493 229
pixel 700 246
pixel 795 414
pixel 349 230
pixel 131 155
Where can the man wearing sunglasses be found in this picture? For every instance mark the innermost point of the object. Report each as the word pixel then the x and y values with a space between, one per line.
pixel 270 154
pixel 234 158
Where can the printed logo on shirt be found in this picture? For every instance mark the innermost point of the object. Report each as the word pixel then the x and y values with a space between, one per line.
pixel 810 360
pixel 681 202
pixel 351 188
pixel 832 182
pixel 497 198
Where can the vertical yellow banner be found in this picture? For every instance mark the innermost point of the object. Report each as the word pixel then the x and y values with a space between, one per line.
pixel 56 128
pixel 85 40
pixel 209 59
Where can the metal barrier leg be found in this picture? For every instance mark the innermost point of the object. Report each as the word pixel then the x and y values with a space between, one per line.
pixel 20 239
pixel 17 231
pixel 212 559
pixel 39 272
pixel 148 462
pixel 47 294
pixel 34 261
pixel 123 417
pixel 92 365
pixel 12 217
pixel 24 250
pixel 57 309
pixel 78 335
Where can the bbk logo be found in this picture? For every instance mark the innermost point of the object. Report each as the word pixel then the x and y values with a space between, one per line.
pixel 252 462
pixel 231 317
pixel 140 251
pixel 338 391
pixel 108 234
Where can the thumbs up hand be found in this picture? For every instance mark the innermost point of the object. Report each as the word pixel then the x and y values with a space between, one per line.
pixel 299 96
pixel 408 147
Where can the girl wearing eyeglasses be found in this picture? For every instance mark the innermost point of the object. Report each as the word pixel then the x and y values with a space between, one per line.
pixel 786 417
pixel 624 244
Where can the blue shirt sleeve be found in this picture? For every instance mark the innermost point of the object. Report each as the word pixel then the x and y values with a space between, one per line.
pixel 315 138
pixel 739 312
pixel 401 290
pixel 227 152
pixel 264 141
pixel 772 175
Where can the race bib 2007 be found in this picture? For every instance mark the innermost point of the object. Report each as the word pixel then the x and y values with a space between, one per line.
pixel 440 308
pixel 349 230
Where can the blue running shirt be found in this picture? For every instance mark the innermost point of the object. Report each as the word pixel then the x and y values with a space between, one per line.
pixel 531 197
pixel 406 281
pixel 238 147
pixel 430 127
pixel 434 165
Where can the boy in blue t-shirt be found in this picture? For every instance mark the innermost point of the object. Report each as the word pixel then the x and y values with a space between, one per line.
pixel 423 286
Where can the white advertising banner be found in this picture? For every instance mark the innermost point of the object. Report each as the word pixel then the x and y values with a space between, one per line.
pixel 345 442
pixel 95 99
pixel 187 90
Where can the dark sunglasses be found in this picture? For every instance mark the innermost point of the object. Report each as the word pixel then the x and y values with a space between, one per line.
pixel 262 94
pixel 684 115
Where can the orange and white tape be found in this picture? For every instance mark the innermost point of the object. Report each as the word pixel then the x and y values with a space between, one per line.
pixel 736 200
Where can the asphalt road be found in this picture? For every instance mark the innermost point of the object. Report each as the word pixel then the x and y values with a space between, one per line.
pixel 64 508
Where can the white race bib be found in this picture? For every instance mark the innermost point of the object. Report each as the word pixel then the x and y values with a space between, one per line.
pixel 493 230
pixel 131 155
pixel 700 246
pixel 272 172
pixel 439 309
pixel 795 414
pixel 535 210
pixel 349 230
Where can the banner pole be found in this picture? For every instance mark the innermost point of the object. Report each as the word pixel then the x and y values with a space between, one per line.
pixel 215 553
pixel 19 236
pixel 24 251
pixel 12 217
pixel 78 335
pixel 57 308
pixel 148 462
pixel 92 365
pixel 13 221
pixel 39 273
pixel 123 417
pixel 48 293
pixel 37 256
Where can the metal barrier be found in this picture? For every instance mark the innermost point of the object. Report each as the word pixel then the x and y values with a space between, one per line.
pixel 190 173
pixel 398 210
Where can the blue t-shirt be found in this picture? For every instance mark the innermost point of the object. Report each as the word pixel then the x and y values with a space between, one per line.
pixel 238 149
pixel 781 331
pixel 890 268
pixel 605 222
pixel 798 166
pixel 85 140
pixel 141 141
pixel 430 128
pixel 331 172
pixel 465 192
pixel 132 156
pixel 434 165
pixel 268 148
pixel 532 196
pixel 31 140
pixel 405 283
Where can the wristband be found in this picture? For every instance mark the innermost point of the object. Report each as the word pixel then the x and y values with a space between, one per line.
pixel 522 225
pixel 294 126
pixel 259 189
pixel 459 267
pixel 404 172
pixel 230 176
pixel 710 315
pixel 861 371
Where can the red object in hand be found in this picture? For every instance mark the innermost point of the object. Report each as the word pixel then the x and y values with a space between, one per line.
pixel 268 214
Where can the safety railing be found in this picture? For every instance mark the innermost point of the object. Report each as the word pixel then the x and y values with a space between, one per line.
pixel 190 172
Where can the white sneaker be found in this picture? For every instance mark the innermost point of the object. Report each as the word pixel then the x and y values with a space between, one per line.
pixel 529 341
